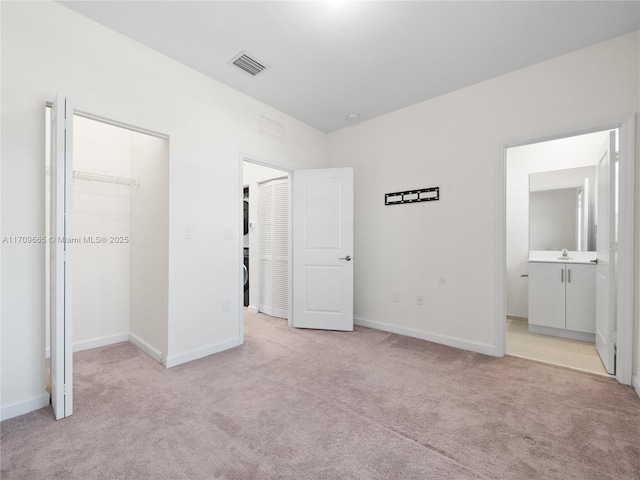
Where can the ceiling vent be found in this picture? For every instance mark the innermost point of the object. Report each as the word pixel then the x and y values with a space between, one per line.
pixel 248 64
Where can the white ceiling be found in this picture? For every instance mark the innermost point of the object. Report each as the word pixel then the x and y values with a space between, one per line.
pixel 329 59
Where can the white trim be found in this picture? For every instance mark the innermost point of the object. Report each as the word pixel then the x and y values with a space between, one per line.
pixel 454 342
pixel 240 318
pixel 145 347
pixel 610 123
pixel 252 309
pixel 201 352
pixel 115 123
pixel 265 162
pixel 563 333
pixel 635 382
pixel 501 252
pixel 626 245
pixel 96 342
pixel 100 342
pixel 24 406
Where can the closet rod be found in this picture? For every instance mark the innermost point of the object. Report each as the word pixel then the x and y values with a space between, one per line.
pixel 97 177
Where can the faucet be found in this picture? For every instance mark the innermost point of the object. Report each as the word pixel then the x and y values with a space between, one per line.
pixel 565 255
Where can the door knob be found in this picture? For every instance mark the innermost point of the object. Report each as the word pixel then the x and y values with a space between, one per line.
pixel 347 258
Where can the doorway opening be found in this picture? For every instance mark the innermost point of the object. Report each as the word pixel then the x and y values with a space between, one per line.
pixel 551 206
pixel 266 241
pixel 119 242
pixel 319 227
pixel 567 289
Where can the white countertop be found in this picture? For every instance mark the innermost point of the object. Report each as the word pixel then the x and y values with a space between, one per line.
pixel 554 257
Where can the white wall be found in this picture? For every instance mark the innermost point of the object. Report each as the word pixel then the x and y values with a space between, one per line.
pixel 46 49
pixel 253 174
pixel 572 152
pixel 100 271
pixel 149 260
pixel 446 250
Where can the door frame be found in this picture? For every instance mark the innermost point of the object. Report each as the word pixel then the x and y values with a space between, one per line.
pixel 288 169
pixel 624 297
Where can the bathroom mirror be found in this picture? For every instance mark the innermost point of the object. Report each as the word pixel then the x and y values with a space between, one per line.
pixel 562 209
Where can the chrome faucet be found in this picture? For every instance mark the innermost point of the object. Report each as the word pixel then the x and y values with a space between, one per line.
pixel 565 255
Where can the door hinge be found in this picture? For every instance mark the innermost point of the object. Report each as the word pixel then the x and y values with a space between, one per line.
pixel 616 156
pixel 614 247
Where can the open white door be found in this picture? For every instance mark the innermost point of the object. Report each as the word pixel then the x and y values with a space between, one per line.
pixel 60 285
pixel 605 239
pixel 323 249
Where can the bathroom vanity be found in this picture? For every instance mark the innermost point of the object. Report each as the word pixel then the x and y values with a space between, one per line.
pixel 562 294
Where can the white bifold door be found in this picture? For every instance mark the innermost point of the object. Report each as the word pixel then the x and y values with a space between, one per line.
pixel 323 256
pixel 60 257
pixel 605 240
pixel 274 247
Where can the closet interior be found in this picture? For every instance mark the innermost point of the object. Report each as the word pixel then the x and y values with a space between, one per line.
pixel 120 223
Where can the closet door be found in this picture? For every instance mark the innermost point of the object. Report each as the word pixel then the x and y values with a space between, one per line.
pixel 274 247
pixel 265 248
pixel 60 258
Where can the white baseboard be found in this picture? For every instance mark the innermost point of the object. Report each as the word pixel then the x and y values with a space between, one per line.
pixel 635 383
pixel 24 406
pixel 96 342
pixel 201 352
pixel 561 332
pixel 145 347
pixel 252 309
pixel 431 337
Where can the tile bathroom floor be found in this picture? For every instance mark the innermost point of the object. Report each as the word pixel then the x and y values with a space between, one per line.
pixel 549 349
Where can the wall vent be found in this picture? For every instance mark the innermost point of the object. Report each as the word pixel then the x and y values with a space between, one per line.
pixel 248 64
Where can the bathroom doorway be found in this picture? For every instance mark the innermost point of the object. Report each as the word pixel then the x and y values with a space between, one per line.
pixel 566 165
pixel 551 206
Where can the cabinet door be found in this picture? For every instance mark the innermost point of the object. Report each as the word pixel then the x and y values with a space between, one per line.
pixel 546 294
pixel 581 298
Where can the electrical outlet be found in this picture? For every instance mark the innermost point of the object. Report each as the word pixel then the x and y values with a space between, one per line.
pixel 396 297
pixel 420 300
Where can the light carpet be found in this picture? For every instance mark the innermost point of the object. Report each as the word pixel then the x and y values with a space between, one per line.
pixel 305 404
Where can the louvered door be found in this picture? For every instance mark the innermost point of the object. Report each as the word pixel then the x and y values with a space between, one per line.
pixel 274 248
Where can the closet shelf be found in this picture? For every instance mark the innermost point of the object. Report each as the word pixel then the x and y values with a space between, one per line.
pixel 98 177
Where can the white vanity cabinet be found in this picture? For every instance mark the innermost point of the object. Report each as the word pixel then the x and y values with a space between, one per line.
pixel 562 299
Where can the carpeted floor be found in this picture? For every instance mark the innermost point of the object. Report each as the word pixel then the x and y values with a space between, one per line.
pixel 300 404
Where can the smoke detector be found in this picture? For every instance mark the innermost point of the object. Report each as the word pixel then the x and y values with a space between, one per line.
pixel 248 63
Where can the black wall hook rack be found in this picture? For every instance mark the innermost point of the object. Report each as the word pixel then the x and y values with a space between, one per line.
pixel 412 196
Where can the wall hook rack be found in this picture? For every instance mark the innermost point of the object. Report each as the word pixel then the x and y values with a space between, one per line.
pixel 412 196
